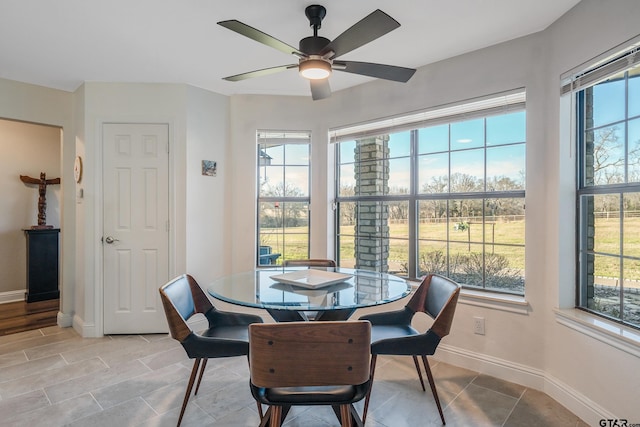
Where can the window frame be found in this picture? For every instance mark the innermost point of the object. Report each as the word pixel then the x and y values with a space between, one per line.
pixel 583 294
pixel 415 196
pixel 284 138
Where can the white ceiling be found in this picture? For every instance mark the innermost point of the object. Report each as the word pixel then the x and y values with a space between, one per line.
pixel 61 44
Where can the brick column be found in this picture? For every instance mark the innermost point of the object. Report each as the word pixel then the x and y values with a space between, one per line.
pixel 372 228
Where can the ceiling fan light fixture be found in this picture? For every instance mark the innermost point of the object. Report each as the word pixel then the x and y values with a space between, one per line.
pixel 315 69
pixel 316 55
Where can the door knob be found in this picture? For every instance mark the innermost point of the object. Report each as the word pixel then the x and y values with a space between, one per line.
pixel 110 240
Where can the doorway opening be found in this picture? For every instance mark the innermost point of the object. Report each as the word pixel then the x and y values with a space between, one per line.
pixel 28 150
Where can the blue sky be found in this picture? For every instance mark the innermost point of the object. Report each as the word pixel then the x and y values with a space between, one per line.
pixel 467 139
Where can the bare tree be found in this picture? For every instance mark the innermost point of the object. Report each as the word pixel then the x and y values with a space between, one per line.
pixel 399 210
pixel 438 185
pixel 347 209
pixel 502 183
pixel 608 156
pixel 464 183
pixel 290 214
pixel 609 167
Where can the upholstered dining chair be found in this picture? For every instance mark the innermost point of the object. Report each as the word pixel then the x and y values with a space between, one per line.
pixel 392 333
pixel 310 363
pixel 227 335
pixel 313 262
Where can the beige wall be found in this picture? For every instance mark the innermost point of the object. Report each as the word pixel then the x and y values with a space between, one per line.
pixel 208 237
pixel 25 149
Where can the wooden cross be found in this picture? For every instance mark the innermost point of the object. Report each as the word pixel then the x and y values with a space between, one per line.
pixel 42 200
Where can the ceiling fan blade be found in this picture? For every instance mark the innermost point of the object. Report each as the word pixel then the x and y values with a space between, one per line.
pixel 259 73
pixel 320 89
pixel 371 27
pixel 260 37
pixel 380 71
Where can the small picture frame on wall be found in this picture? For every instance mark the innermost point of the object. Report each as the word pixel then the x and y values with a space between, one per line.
pixel 209 167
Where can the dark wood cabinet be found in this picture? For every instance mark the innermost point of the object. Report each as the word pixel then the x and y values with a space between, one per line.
pixel 42 264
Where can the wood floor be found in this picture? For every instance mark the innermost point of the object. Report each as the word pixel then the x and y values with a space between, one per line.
pixel 22 316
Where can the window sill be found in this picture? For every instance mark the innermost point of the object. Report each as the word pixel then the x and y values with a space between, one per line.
pixel 613 334
pixel 504 302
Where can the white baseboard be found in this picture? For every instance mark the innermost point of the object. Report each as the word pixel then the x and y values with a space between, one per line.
pixel 86 330
pixel 493 366
pixel 588 410
pixel 64 320
pixel 12 296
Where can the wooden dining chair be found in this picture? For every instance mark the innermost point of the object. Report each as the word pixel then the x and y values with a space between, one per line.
pixel 227 335
pixel 310 363
pixel 313 262
pixel 392 333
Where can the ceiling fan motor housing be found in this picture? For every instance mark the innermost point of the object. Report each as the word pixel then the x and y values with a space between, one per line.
pixel 313 45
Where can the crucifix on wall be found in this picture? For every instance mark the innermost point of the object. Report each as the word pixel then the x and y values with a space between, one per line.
pixel 42 183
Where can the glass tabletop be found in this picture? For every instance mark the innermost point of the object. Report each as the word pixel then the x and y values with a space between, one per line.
pixel 362 288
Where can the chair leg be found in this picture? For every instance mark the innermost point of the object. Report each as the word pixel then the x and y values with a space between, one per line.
pixel 415 361
pixel 372 371
pixel 187 394
pixel 264 421
pixel 354 418
pixel 276 414
pixel 345 415
pixel 204 365
pixel 433 387
pixel 259 410
pixel 356 421
pixel 275 411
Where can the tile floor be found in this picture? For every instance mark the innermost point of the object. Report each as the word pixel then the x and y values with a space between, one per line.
pixel 53 377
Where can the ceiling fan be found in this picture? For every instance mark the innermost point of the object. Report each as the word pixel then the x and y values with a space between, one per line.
pixel 317 55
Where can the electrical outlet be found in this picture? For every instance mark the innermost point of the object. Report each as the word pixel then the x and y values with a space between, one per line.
pixel 478 325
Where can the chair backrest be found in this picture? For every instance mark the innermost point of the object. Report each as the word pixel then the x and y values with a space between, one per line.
pixel 309 263
pixel 436 296
pixel 181 298
pixel 297 354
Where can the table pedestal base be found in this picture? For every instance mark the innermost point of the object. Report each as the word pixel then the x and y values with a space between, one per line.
pixel 301 315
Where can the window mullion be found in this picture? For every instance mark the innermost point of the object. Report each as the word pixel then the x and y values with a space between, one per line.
pixel 412 208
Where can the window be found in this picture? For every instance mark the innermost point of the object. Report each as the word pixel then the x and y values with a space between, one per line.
pixel 436 192
pixel 608 196
pixel 283 196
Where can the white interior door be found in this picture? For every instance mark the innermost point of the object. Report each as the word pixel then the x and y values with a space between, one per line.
pixel 136 226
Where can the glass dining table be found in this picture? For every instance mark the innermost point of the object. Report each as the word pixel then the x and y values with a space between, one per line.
pixel 317 293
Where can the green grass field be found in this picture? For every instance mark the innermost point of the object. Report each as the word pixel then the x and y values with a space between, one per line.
pixel 607 238
pixel 501 237
pixel 508 240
